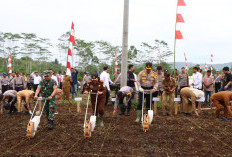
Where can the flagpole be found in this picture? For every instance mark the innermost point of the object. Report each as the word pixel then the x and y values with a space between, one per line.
pixel 175 38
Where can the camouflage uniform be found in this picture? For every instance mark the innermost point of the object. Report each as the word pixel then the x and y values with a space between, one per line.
pixel 47 88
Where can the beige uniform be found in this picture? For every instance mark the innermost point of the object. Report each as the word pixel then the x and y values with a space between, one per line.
pixel 147 81
pixel 166 93
pixel 187 106
pixel 24 95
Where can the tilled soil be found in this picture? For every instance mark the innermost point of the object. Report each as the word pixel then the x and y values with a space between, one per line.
pixel 167 136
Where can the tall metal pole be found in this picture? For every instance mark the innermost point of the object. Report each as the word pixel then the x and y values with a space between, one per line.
pixel 175 39
pixel 125 44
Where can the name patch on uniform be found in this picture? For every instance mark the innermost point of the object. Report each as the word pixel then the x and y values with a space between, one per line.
pixel 78 99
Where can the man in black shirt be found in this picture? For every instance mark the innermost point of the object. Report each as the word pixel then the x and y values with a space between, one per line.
pixel 226 80
pixel 131 83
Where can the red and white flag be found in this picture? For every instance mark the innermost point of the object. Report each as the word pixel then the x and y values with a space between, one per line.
pixel 10 64
pixel 116 61
pixel 206 67
pixel 211 63
pixel 72 41
pixel 186 63
pixel 181 3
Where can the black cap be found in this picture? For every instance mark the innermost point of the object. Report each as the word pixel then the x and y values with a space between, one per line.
pixel 148 65
pixel 94 75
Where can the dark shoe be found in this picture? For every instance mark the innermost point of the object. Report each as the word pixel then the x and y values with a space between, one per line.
pixel 121 113
pixel 218 119
pixel 127 114
pixel 51 125
pixel 225 119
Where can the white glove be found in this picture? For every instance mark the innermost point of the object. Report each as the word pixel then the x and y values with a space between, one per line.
pixel 141 89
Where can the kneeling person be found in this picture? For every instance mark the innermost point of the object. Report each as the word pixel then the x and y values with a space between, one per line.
pixel 125 91
pixel 25 95
pixel 96 86
pixel 11 95
pixel 222 98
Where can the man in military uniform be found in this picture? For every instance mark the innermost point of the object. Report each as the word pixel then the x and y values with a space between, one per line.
pixel 19 83
pixel 48 87
pixel 96 86
pixel 160 78
pixel 4 83
pixel 146 81
pixel 222 98
pixel 169 87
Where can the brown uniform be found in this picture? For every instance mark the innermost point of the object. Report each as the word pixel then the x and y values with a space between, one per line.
pixel 59 94
pixel 187 94
pixel 67 86
pixel 166 93
pixel 221 98
pixel 96 86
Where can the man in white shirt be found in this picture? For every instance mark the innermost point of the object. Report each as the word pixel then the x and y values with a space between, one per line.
pixel 105 77
pixel 37 80
pixel 54 77
pixel 197 79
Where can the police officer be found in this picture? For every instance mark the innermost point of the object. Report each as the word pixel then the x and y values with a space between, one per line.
pixel 4 83
pixel 19 82
pixel 146 81
pixel 183 79
pixel 160 78
pixel 97 87
pixel 169 86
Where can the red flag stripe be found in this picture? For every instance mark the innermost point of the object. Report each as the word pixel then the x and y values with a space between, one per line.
pixel 181 3
pixel 179 18
pixel 179 35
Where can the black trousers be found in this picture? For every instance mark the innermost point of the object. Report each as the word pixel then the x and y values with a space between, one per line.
pixel 122 105
pixel 29 86
pixel 147 97
pixel 18 88
pixel 157 93
pixel 12 106
pixel 35 87
pixel 217 86
pixel 107 97
pixel 4 88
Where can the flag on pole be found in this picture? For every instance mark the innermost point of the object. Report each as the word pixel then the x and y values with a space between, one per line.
pixel 72 41
pixel 159 56
pixel 211 63
pixel 10 64
pixel 186 62
pixel 200 66
pixel 179 35
pixel 179 18
pixel 116 61
pixel 181 3
pixel 206 67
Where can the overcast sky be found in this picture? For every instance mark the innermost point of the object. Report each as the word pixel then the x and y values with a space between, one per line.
pixel 207 27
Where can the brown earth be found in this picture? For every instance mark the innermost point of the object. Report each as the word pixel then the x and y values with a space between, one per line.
pixel 121 136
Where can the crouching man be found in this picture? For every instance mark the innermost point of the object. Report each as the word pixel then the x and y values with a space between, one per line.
pixel 11 95
pixel 125 91
pixel 25 95
pixel 222 98
pixel 190 93
pixel 48 87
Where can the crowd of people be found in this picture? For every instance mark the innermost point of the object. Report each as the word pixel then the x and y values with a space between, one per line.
pixel 16 88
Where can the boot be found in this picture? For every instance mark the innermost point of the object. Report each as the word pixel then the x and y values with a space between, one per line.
pixel 128 113
pixel 139 114
pixel 101 121
pixel 122 108
pixel 51 125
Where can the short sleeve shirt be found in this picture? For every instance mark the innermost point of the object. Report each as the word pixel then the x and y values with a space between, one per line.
pixel 228 78
pixel 130 76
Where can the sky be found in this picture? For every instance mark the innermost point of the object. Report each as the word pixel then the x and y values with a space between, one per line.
pixel 207 27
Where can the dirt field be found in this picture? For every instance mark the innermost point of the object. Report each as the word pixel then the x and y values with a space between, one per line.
pixel 121 136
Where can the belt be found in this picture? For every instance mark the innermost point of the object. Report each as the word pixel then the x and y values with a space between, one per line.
pixel 147 87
